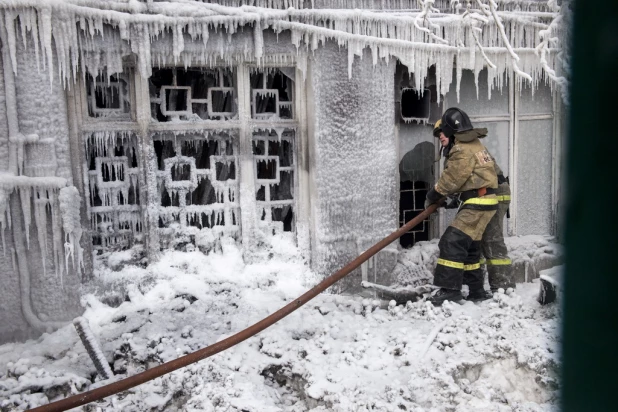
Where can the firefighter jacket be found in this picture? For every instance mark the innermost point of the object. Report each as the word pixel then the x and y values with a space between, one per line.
pixel 469 165
pixel 504 190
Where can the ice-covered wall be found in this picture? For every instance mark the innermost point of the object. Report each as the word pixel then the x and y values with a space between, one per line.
pixel 4 128
pixel 534 142
pixel 354 161
pixel 40 288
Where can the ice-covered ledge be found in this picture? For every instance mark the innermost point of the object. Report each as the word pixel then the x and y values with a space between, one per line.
pixel 9 181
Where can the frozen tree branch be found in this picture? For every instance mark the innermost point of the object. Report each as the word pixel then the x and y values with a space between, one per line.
pixel 543 50
pixel 425 15
pixel 474 29
pixel 427 34
pixel 490 10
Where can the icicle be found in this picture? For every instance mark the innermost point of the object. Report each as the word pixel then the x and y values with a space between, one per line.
pixel 9 20
pixel 40 220
pixel 24 195
pixel 4 200
pixel 56 235
pixel 69 253
pixel 70 202
pixel 258 40
pixel 46 38
pixel 178 42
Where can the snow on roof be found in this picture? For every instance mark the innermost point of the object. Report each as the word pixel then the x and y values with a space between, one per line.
pixel 95 35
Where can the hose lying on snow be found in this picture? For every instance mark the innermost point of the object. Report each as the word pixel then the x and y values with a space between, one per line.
pixel 157 371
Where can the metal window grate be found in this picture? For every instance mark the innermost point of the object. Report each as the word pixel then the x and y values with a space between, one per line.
pixel 273 157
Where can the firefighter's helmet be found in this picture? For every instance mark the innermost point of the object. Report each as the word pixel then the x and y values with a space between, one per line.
pixel 455 120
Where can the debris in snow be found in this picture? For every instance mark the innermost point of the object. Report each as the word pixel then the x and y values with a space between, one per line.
pixel 550 284
pixel 347 355
pixel 400 295
pixel 92 347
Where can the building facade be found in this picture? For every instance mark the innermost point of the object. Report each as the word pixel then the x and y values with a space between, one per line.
pixel 172 125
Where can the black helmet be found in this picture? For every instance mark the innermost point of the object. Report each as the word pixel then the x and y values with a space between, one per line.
pixel 455 120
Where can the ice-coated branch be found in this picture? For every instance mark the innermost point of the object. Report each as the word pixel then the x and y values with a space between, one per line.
pixel 421 36
pixel 492 12
pixel 424 15
pixel 473 29
pixel 478 44
pixel 367 40
pixel 542 50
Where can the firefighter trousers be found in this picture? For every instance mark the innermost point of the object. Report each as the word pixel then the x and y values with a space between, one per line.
pixel 460 250
pixel 494 250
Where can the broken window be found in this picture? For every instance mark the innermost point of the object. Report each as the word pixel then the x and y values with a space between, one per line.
pixel 108 96
pixel 273 155
pixel 197 182
pixel 192 94
pixel 414 105
pixel 272 94
pixel 113 176
pixel 411 203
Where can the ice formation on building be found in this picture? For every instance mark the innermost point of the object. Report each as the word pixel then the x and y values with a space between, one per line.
pixel 174 124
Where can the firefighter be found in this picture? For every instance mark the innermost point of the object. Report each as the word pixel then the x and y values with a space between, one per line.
pixel 470 174
pixel 494 249
pixel 495 254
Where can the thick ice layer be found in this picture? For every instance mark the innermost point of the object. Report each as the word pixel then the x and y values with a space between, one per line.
pixel 70 202
pixel 107 31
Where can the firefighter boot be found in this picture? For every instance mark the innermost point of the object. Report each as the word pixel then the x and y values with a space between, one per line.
pixel 479 295
pixel 438 298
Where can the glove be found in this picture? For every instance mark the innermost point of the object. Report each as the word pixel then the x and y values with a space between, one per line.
pixel 452 203
pixel 432 197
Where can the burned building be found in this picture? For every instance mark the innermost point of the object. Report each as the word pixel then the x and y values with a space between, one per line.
pixel 170 125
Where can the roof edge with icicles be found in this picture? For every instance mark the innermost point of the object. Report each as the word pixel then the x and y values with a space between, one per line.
pixel 477 35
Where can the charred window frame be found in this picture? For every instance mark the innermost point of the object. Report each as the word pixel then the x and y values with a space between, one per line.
pixel 275 167
pixel 272 94
pixel 109 97
pixel 112 179
pixel 192 94
pixel 198 185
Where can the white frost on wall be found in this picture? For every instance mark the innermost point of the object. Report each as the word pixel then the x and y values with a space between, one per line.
pixel 356 160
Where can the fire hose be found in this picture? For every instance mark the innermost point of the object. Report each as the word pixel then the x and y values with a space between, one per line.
pixel 135 380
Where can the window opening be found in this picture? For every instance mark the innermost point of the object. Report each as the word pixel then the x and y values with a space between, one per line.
pixel 271 95
pixel 273 154
pixel 192 94
pixel 108 96
pixel 411 203
pixel 113 183
pixel 198 185
pixel 414 106
pixel 416 169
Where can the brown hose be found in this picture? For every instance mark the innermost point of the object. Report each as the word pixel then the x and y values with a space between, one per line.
pixel 132 381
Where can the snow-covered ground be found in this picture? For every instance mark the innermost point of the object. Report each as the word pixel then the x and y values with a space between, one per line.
pixel 336 353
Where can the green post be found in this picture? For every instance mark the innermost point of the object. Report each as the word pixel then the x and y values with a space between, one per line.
pixel 590 333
